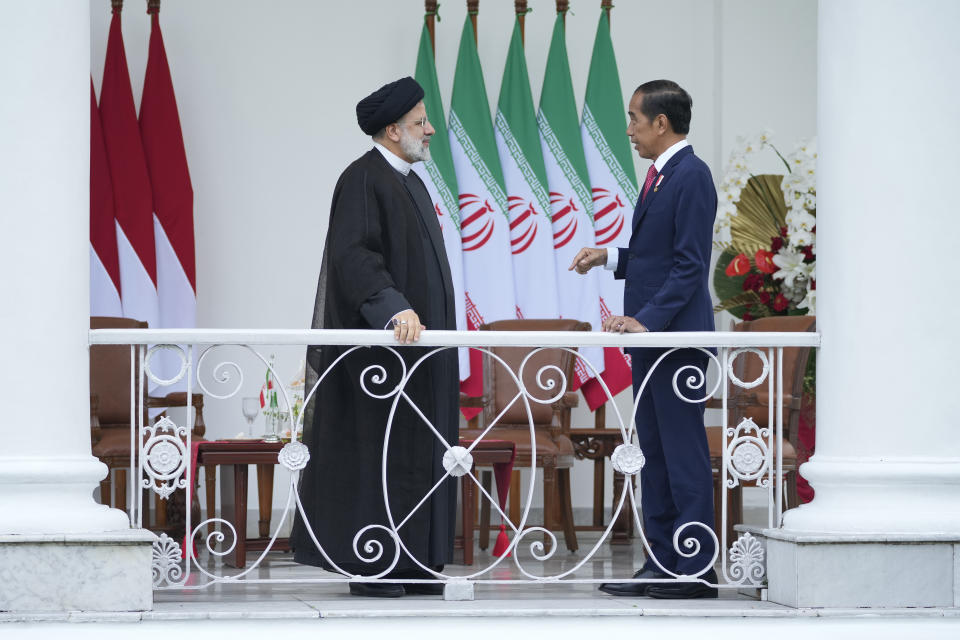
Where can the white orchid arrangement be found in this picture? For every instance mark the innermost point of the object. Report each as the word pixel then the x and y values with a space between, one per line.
pixel 766 229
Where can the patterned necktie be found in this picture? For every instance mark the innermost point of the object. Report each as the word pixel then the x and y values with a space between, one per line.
pixel 651 175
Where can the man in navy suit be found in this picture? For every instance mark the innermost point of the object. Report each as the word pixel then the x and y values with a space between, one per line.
pixel 666 268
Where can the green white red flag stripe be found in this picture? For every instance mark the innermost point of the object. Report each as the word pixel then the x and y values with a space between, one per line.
pixel 525 178
pixel 485 225
pixel 614 192
pixel 570 197
pixel 440 179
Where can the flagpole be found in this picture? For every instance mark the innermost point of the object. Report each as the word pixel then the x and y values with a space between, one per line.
pixel 521 8
pixel 600 415
pixel 430 8
pixel 473 8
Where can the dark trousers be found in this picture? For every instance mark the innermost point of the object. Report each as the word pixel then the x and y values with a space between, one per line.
pixel 676 482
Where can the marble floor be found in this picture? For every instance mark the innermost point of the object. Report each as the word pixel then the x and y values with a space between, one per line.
pixel 279 591
pixel 295 590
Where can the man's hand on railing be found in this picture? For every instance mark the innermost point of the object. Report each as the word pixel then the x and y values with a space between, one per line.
pixel 407 327
pixel 623 324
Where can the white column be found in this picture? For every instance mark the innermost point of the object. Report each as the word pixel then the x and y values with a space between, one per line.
pixel 47 474
pixel 58 548
pixel 887 463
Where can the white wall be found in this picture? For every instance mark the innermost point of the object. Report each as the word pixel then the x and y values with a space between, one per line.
pixel 267 92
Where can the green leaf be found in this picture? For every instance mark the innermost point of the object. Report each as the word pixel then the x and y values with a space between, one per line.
pixel 728 288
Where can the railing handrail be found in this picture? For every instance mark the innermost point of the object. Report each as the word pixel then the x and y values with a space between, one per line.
pixel 456 338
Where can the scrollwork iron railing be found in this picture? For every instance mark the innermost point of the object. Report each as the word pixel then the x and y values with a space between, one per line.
pixel 751 453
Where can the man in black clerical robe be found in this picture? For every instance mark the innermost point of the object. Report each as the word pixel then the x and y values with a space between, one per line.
pixel 384 266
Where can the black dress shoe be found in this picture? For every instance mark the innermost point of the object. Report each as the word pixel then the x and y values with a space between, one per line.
pixel 636 589
pixel 685 590
pixel 423 588
pixel 377 589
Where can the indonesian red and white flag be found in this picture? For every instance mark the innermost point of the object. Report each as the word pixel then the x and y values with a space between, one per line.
pixel 570 199
pixel 614 187
pixel 131 184
pixel 484 216
pixel 172 193
pixel 104 264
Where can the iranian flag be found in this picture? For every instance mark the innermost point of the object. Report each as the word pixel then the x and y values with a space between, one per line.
pixel 484 218
pixel 104 264
pixel 131 184
pixel 570 198
pixel 528 202
pixel 438 175
pixel 172 196
pixel 614 187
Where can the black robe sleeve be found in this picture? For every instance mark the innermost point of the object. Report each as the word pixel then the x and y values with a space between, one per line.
pixel 358 262
pixel 382 306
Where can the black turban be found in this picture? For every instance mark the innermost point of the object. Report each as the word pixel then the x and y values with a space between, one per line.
pixel 385 105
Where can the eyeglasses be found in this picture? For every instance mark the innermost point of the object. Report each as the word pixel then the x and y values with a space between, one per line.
pixel 422 122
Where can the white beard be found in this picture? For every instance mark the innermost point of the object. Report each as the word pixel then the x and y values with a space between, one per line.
pixel 413 147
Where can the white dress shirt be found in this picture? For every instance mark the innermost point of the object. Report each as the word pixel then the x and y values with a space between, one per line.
pixel 396 161
pixel 613 254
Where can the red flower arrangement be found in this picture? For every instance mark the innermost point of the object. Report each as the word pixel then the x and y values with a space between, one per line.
pixel 764 260
pixel 739 266
pixel 760 294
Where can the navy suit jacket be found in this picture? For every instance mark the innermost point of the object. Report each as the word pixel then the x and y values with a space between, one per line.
pixel 666 265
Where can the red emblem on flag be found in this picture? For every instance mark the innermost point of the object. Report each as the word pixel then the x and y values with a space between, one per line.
pixel 564 224
pixel 477 223
pixel 523 224
pixel 474 319
pixel 609 215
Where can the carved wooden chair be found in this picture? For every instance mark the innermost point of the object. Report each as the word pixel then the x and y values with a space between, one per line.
pixel 110 419
pixel 597 443
pixel 754 404
pixel 555 454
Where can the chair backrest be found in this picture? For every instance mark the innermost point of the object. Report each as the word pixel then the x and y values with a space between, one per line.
pixel 749 367
pixel 501 386
pixel 110 373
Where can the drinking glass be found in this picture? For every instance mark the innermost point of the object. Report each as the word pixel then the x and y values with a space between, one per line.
pixel 251 407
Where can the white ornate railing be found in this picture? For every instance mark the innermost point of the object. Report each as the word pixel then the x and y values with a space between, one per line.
pixel 752 454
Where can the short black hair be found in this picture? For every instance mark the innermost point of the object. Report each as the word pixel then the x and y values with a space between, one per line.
pixel 668 98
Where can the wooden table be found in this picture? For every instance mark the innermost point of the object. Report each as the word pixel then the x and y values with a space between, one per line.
pixel 485 454
pixel 234 458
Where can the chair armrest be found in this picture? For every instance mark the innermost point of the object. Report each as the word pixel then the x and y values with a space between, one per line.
pixel 569 400
pixel 95 432
pixel 179 399
pixel 473 402
pixel 174 399
pixel 751 399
